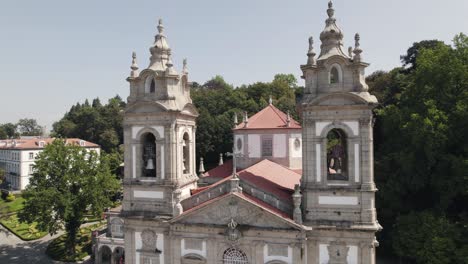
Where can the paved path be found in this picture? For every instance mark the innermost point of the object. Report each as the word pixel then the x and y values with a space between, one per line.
pixel 16 251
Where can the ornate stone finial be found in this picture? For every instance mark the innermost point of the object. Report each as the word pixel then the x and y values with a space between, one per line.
pixel 270 100
pixel 201 170
pixel 160 26
pixel 330 10
pixel 169 65
pixel 134 66
pixel 235 120
pixel 246 119
pixel 288 119
pixel 357 48
pixel 221 162
pixel 184 66
pixel 297 199
pixel 311 53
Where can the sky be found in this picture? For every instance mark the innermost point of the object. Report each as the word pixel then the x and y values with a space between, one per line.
pixel 55 53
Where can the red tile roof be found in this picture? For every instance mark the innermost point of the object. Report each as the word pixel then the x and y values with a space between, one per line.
pixel 273 172
pixel 221 171
pixel 249 198
pixel 33 143
pixel 265 175
pixel 269 117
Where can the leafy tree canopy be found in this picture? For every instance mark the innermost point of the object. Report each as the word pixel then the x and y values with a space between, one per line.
pixel 67 181
pixel 29 127
pixel 421 153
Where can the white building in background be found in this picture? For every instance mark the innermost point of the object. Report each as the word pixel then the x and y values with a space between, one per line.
pixel 18 156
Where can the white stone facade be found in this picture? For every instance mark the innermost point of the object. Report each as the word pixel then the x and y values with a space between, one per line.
pixel 329 219
pixel 18 156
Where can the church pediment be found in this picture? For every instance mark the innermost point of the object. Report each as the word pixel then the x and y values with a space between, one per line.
pixel 189 109
pixel 237 207
pixel 146 107
pixel 342 98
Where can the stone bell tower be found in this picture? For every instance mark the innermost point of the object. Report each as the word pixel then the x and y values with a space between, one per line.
pixel 159 136
pixel 338 169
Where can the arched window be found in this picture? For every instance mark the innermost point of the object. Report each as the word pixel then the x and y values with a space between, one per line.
pixel 105 255
pixel 336 155
pixel 149 155
pixel 234 256
pixel 334 75
pixel 152 86
pixel 186 154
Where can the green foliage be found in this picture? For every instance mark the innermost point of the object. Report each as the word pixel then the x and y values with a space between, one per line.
pixel 58 251
pixel 101 124
pixel 23 230
pixel 409 60
pixel 67 181
pixel 421 154
pixel 10 197
pixel 426 239
pixel 217 102
pixel 8 130
pixel 29 127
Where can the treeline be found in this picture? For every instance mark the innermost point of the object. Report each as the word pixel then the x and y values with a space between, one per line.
pixel 420 139
pixel 421 147
pixel 95 122
pixel 217 101
pixel 24 127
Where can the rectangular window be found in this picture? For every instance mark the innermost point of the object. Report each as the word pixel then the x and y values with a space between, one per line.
pixel 267 147
pixel 31 155
pixel 31 169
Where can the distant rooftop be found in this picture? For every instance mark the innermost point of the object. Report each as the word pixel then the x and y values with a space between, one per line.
pixel 40 143
pixel 269 117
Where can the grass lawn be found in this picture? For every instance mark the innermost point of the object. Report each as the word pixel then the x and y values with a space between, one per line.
pixel 56 249
pixel 11 207
pixel 22 230
pixel 9 219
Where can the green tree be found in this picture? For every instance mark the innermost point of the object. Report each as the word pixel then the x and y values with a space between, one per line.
pixel 409 60
pixel 29 127
pixel 3 133
pixel 10 130
pixel 422 162
pixel 101 124
pixel 67 181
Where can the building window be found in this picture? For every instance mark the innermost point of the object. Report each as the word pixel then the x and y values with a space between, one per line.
pixel 239 144
pixel 149 155
pixel 297 144
pixel 336 155
pixel 234 256
pixel 152 86
pixel 186 154
pixel 335 74
pixel 31 155
pixel 31 168
pixel 267 147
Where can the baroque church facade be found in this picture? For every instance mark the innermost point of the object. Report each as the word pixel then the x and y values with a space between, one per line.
pixel 292 193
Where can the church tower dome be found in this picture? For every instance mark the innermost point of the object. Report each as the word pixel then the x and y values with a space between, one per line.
pixel 331 36
pixel 160 51
pixel 159 136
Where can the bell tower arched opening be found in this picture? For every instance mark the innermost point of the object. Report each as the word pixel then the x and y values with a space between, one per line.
pixel 337 160
pixel 149 155
pixel 186 153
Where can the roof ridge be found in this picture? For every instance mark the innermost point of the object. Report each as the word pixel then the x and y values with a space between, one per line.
pixel 275 109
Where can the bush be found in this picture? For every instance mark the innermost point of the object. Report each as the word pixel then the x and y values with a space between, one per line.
pixel 5 194
pixel 10 197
